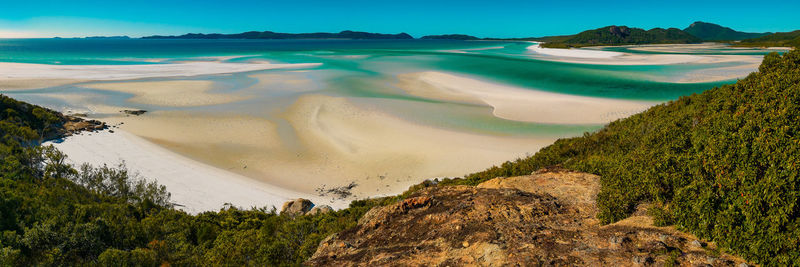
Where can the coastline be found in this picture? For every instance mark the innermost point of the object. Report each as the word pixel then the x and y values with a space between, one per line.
pixel 600 57
pixel 313 139
pixel 195 187
pixel 331 142
pixel 29 71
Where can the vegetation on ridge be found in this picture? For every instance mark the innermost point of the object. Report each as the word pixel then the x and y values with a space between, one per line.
pixel 622 35
pixel 778 39
pixel 724 164
pixel 713 32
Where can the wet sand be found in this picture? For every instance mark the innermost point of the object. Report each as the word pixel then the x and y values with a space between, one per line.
pixel 180 93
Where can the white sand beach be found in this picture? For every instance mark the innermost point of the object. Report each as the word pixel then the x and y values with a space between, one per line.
pixel 596 56
pixel 338 143
pixel 21 71
pixel 519 103
pixel 574 52
pixel 195 186
pixel 35 83
pixel 684 48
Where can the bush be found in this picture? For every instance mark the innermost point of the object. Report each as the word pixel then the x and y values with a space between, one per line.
pixel 723 164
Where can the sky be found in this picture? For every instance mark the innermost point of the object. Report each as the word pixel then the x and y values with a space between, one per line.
pixel 498 18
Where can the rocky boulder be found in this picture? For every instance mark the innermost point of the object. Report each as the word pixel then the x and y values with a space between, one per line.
pixel 297 207
pixel 319 210
pixel 547 218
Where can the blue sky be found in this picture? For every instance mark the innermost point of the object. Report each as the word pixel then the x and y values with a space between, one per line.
pixel 499 18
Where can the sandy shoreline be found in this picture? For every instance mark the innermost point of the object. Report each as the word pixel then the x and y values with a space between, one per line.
pixel 195 186
pixel 574 52
pixel 331 143
pixel 600 57
pixel 27 71
pixel 163 93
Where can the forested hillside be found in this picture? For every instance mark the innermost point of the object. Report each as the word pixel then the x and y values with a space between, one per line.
pixel 778 39
pixel 713 32
pixel 622 35
pixel 724 164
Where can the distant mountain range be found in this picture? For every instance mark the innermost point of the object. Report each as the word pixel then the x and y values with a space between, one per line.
pixel 713 32
pixel 278 35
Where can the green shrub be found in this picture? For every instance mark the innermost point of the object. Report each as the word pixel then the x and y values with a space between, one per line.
pixel 724 164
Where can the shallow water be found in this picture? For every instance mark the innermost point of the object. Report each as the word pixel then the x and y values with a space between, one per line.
pixel 364 69
pixel 366 74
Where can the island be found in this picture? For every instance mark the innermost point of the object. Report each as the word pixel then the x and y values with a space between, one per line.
pixel 621 35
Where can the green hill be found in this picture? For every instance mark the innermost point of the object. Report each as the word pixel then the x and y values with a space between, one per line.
pixel 713 32
pixel 623 35
pixel 724 164
pixel 778 39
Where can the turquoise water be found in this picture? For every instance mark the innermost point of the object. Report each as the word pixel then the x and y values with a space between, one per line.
pixel 508 64
pixel 365 69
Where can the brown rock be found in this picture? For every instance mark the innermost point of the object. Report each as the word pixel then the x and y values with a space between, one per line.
pixel 136 112
pixel 319 210
pixel 547 218
pixel 297 207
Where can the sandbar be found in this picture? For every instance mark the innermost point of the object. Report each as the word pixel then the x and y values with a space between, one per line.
pixel 180 93
pixel 520 104
pixel 9 71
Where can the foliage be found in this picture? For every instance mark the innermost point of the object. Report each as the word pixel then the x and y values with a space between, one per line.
pixel 622 35
pixel 713 32
pixel 778 39
pixel 724 164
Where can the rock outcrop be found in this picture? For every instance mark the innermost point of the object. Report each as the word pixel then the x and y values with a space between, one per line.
pixel 297 207
pixel 74 125
pixel 547 218
pixel 319 210
pixel 135 112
